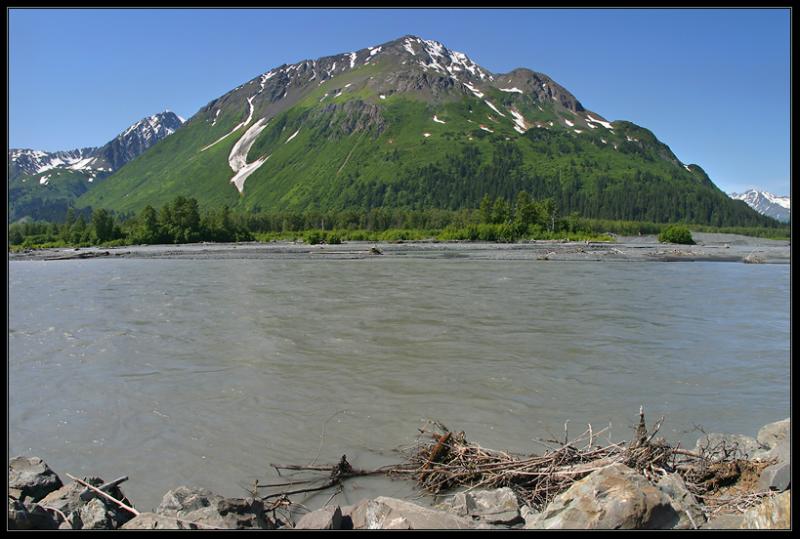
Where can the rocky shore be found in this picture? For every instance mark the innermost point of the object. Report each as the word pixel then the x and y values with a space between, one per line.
pixel 754 493
pixel 709 247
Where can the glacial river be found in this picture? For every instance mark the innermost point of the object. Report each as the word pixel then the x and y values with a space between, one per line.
pixel 203 372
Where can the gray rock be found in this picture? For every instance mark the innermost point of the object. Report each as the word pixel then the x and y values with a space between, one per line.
pixel 72 498
pixel 773 513
pixel 327 518
pixel 152 521
pixel 211 510
pixel 684 502
pixel 95 516
pixel 392 514
pixel 716 445
pixel 615 497
pixel 18 518
pixel 776 477
pixel 498 506
pixel 31 477
pixel 775 433
pixel 354 517
pixel 724 522
pixel 528 514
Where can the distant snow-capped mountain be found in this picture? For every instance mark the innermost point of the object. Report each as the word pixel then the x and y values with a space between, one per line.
pixel 777 207
pixel 42 185
pixel 108 158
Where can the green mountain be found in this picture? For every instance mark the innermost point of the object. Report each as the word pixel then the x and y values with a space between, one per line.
pixel 412 124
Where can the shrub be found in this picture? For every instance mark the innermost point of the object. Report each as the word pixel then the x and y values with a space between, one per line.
pixel 676 234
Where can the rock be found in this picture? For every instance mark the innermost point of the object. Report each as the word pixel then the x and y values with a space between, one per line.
pixel 683 501
pixel 72 498
pixel 776 477
pixel 615 497
pixel 354 517
pixel 392 514
pixel 31 477
pixel 152 521
pixel 737 445
pixel 775 433
pixel 773 513
pixel 327 518
pixel 724 522
pixel 528 514
pixel 94 516
pixel 203 507
pixel 498 506
pixel 18 518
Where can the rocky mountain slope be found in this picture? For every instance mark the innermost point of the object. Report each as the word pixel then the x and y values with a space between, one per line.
pixel 777 207
pixel 42 185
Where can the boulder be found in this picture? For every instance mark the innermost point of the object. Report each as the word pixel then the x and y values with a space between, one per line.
pixel 31 477
pixel 384 513
pixel 354 517
pixel 724 522
pixel 153 521
pixel 736 445
pixel 211 510
pixel 95 516
pixel 497 506
pixel 529 515
pixel 18 518
pixel 327 518
pixel 776 477
pixel 614 497
pixel 773 513
pixel 775 433
pixel 71 500
pixel 690 513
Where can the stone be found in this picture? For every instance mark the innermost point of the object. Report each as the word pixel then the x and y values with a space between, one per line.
pixel 773 434
pixel 354 517
pixel 32 478
pixel 94 516
pixel 72 498
pixel 690 513
pixel 327 518
pixel 737 446
pixel 211 510
pixel 392 514
pixel 497 506
pixel 724 522
pixel 614 497
pixel 772 514
pixel 18 518
pixel 776 477
pixel 153 521
pixel 528 514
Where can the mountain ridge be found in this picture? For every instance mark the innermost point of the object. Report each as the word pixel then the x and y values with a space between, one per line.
pixel 413 124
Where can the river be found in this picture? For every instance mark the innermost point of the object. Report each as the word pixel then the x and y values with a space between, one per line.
pixel 203 372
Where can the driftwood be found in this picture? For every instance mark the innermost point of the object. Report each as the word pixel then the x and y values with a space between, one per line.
pixel 96 490
pixel 442 460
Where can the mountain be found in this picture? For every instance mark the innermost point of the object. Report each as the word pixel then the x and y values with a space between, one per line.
pixel 413 124
pixel 777 207
pixel 42 185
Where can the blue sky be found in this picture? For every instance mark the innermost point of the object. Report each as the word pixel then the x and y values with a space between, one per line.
pixel 712 84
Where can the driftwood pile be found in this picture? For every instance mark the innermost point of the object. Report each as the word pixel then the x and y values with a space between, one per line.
pixel 442 460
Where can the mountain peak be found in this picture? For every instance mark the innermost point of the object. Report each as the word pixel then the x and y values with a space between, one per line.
pixel 766 203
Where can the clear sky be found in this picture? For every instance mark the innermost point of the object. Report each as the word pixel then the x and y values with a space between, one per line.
pixel 712 84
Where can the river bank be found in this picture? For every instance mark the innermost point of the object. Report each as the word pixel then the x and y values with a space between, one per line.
pixel 708 247
pixel 727 481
